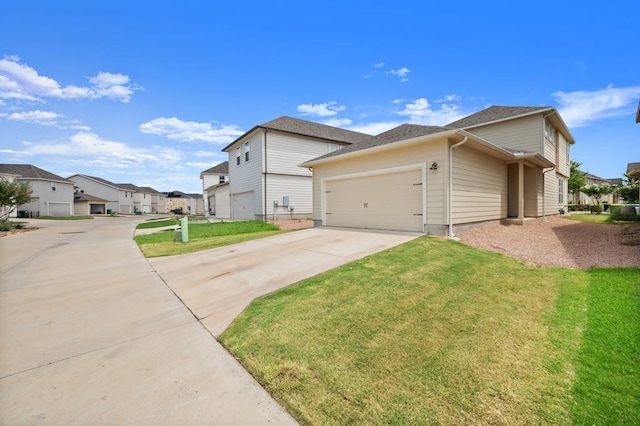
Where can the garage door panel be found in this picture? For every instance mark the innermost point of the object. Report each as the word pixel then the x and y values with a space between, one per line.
pixel 386 201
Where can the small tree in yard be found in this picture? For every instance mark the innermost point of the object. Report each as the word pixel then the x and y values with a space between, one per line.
pixel 576 178
pixel 12 194
pixel 597 192
pixel 629 190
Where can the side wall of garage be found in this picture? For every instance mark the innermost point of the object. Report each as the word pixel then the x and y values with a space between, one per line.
pixel 426 153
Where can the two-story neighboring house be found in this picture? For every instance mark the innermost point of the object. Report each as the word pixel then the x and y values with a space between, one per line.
pixel 158 200
pixel 52 195
pixel 265 179
pixel 215 191
pixel 117 199
pixel 499 163
pixel 590 180
pixel 142 198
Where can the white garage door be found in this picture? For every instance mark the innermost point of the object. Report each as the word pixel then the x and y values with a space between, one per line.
pixel 386 201
pixel 59 209
pixel 243 207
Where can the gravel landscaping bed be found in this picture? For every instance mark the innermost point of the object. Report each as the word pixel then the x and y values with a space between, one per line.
pixel 561 242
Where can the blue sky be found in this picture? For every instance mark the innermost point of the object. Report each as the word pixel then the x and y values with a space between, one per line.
pixel 149 92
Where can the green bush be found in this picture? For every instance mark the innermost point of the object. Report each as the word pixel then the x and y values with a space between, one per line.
pixel 617 215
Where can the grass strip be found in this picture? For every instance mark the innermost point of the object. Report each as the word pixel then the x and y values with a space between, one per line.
pixel 204 237
pixel 155 223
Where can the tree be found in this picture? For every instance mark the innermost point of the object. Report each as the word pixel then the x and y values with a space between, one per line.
pixel 12 194
pixel 576 178
pixel 629 190
pixel 597 192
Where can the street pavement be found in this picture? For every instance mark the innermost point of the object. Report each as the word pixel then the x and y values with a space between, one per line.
pixel 93 333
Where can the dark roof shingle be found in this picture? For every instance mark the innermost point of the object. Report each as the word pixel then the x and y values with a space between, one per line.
pixel 222 168
pixel 308 128
pixel 495 113
pixel 28 171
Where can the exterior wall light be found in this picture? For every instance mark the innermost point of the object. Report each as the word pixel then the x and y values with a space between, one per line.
pixel 434 166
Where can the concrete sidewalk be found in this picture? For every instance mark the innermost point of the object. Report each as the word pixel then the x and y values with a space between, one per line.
pixel 218 284
pixel 90 334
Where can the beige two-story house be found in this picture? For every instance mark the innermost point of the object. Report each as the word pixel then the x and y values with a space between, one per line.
pixel 215 191
pixel 500 163
pixel 265 181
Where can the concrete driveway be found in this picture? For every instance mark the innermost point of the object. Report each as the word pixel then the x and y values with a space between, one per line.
pixel 218 284
pixel 91 334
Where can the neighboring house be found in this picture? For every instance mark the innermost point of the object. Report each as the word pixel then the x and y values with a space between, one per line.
pixel 215 191
pixel 590 180
pixel 141 197
pixel 633 169
pixel 502 162
pixel 85 204
pixel 264 178
pixel 197 204
pixel 158 200
pixel 10 177
pixel 118 199
pixel 180 200
pixel 52 194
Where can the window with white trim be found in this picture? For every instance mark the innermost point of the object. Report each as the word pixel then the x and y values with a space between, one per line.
pixel 221 179
pixel 560 191
pixel 550 132
pixel 247 146
pixel 53 186
pixel 237 156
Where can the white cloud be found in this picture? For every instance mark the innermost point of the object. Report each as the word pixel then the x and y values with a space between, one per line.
pixel 402 73
pixel 190 131
pixel 374 128
pixel 420 111
pixel 21 82
pixel 320 110
pixel 581 107
pixel 45 118
pixel 338 122
pixel 379 65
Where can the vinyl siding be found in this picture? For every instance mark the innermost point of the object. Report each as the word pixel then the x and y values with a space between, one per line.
pixel 61 198
pixel 287 152
pixel 425 153
pixel 563 166
pixel 222 204
pixel 523 134
pixel 299 190
pixel 479 186
pixel 248 175
pixel 99 190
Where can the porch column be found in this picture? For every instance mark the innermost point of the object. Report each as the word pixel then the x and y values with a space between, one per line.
pixel 521 190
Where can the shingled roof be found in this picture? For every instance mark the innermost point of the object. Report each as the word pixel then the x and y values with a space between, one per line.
pixel 28 171
pixel 397 134
pixel 222 168
pixel 495 113
pixel 307 128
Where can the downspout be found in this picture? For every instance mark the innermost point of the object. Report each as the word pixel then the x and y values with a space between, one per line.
pixel 265 174
pixel 544 195
pixel 451 235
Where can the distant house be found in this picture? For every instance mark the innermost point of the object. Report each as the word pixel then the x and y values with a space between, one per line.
pixel 85 204
pixel 500 163
pixel 117 199
pixel 177 200
pixel 590 180
pixel 158 200
pixel 264 178
pixel 142 198
pixel 215 191
pixel 197 204
pixel 52 194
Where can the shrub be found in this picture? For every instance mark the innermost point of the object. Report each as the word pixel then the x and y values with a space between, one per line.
pixel 617 215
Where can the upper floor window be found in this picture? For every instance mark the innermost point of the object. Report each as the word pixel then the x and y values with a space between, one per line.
pixel 247 145
pixel 221 179
pixel 53 186
pixel 237 156
pixel 550 132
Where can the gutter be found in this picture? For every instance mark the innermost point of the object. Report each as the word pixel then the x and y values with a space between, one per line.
pixel 451 235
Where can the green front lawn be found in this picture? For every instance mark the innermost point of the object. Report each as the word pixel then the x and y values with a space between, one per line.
pixel 202 236
pixel 436 332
